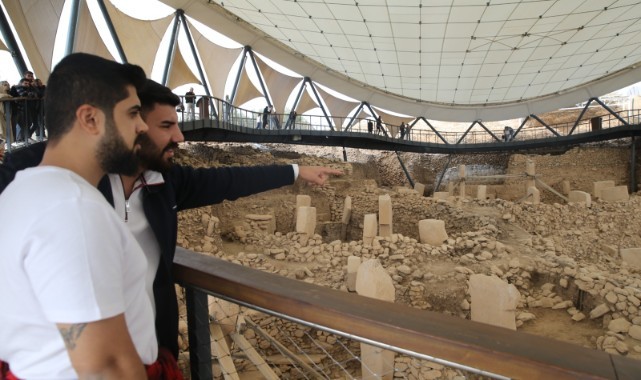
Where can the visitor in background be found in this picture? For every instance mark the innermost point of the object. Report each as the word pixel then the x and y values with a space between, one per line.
pixel 190 100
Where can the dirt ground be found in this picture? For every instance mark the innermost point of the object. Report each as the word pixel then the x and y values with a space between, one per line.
pixel 563 258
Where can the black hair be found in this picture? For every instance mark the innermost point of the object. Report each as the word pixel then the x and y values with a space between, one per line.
pixel 153 93
pixel 82 78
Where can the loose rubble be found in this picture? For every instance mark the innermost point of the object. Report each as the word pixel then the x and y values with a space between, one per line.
pixel 564 259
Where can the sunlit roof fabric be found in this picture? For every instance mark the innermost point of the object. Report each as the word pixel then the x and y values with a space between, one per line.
pixel 339 108
pixel 88 39
pixel 38 37
pixel 449 60
pixel 140 39
pixel 280 85
pixel 306 102
pixel 246 90
pixel 180 72
pixel 217 61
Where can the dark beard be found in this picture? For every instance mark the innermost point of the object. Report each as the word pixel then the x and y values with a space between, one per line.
pixel 114 155
pixel 151 157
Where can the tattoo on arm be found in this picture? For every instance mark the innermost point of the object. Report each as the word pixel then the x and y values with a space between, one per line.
pixel 71 334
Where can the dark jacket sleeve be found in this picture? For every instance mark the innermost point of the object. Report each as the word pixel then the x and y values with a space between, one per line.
pixel 24 158
pixel 205 186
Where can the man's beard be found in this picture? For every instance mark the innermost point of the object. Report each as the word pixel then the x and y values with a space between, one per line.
pixel 152 157
pixel 113 154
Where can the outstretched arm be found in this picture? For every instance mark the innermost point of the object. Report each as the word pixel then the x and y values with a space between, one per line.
pixel 317 174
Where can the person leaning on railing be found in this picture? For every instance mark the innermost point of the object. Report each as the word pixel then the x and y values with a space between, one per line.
pixel 150 199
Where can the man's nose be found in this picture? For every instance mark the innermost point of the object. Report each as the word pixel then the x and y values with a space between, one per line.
pixel 141 127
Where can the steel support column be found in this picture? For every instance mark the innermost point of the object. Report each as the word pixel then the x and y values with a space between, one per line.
pixel 260 76
pixel 633 166
pixel 170 50
pixel 432 128
pixel 320 103
pixel 351 121
pixel 576 123
pixel 203 79
pixel 440 178
pixel 407 174
pixel 375 115
pixel 243 58
pixel 466 132
pixel 11 43
pixel 112 30
pixel 73 25
pixel 198 331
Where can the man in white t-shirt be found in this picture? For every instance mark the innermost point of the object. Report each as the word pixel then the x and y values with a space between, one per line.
pixel 72 284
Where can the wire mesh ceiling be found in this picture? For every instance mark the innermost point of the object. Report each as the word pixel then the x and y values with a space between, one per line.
pixel 453 53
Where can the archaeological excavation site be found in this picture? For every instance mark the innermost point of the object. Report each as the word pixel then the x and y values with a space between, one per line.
pixel 546 243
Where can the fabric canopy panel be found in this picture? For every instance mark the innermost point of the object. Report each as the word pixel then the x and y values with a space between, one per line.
pixel 306 102
pixel 246 90
pixel 88 39
pixel 139 39
pixel 280 85
pixel 217 61
pixel 338 108
pixel 180 73
pixel 393 119
pixel 364 115
pixel 36 23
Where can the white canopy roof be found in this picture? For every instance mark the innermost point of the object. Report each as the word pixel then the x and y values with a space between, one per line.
pixel 451 60
pixel 456 60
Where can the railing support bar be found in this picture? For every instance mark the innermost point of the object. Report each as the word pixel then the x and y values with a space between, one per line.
pixel 199 340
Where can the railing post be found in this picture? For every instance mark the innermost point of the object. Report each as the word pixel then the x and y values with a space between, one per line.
pixel 198 331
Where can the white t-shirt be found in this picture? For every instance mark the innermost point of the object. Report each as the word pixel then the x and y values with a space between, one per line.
pixel 66 258
pixel 132 212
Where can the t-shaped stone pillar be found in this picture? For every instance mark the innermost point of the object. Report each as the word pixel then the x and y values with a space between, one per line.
pixel 385 215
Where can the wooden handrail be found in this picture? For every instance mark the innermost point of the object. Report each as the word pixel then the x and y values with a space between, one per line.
pixel 509 353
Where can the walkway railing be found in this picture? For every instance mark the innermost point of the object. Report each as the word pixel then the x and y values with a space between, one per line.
pixel 421 335
pixel 225 116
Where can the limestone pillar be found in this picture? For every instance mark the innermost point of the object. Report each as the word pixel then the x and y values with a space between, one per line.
pixel 450 187
pixel 385 215
pixel 373 281
pixel 347 215
pixel 534 194
pixel 432 231
pixel 353 263
pixel 441 195
pixel 461 176
pixel 530 170
pixel 494 301
pixel 481 192
pixel 306 220
pixel 303 200
pixel 599 186
pixel 419 188
pixel 369 229
pixel 615 194
pixel 576 196
pixel 565 184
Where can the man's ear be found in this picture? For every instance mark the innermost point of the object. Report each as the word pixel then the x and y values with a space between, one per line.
pixel 91 119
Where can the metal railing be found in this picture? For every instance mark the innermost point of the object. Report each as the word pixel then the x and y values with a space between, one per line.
pixel 418 334
pixel 226 116
pixel 22 121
